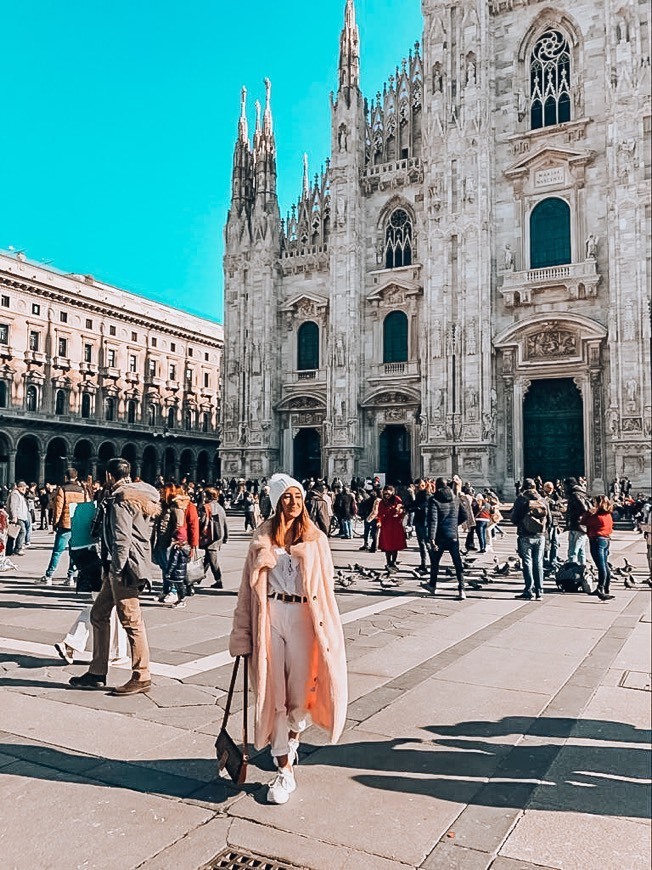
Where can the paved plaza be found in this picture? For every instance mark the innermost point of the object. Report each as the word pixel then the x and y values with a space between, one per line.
pixel 486 733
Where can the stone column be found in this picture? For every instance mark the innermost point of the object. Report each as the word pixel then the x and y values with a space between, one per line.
pixel 93 466
pixel 521 386
pixel 41 467
pixel 11 468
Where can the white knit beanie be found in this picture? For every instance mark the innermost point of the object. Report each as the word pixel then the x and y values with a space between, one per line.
pixel 278 483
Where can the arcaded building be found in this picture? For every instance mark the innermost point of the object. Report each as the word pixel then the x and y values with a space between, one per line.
pixel 89 371
pixel 466 285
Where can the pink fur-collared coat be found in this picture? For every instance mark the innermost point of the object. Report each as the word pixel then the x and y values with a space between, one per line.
pixel 327 689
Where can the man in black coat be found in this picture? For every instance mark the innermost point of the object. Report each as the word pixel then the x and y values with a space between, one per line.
pixel 445 513
pixel 531 516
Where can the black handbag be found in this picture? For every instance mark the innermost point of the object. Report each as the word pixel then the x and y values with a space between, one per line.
pixel 229 754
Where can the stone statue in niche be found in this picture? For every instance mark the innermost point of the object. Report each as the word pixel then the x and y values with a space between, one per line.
pixel 508 258
pixel 488 427
pixel 340 210
pixel 343 138
pixel 470 71
pixel 339 352
pixel 437 79
pixel 469 189
pixel 521 104
pixel 631 391
pixel 591 247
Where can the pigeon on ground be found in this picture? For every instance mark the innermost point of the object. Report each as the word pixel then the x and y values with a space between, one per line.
pixel 629 581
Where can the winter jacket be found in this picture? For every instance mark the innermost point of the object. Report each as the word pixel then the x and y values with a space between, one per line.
pixel 578 504
pixel 70 493
pixel 182 526
pixel 128 512
pixel 420 507
pixel 17 507
pixel 390 520
pixel 445 513
pixel 522 507
pixel 216 510
pixel 344 506
pixel 598 525
pixel 320 510
pixel 326 690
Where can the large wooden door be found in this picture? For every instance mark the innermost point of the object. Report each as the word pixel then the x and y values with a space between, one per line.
pixel 395 454
pixel 553 429
pixel 307 454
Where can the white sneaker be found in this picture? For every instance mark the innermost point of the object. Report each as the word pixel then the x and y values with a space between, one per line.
pixel 171 598
pixel 66 652
pixel 281 787
pixel 45 580
pixel 293 752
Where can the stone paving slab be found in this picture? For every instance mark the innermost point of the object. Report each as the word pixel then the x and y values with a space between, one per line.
pixel 570 841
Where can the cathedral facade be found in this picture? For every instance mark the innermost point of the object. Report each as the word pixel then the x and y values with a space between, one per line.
pixel 465 287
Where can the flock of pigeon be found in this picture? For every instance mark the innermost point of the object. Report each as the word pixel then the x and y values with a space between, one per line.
pixel 350 574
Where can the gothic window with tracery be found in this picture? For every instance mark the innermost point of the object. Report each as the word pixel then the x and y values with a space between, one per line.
pixel 550 80
pixel 398 240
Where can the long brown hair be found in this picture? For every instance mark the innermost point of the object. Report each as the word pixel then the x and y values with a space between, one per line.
pixel 298 530
pixel 602 503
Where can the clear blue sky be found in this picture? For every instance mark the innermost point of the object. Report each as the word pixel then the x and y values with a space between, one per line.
pixel 120 118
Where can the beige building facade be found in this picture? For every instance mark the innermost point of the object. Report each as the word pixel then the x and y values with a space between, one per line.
pixel 465 287
pixel 89 372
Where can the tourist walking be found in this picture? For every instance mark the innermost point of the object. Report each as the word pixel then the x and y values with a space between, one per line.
pixel 213 532
pixel 126 516
pixel 321 508
pixel 17 512
pixel 287 622
pixel 66 499
pixel 531 515
pixel 445 514
pixel 345 508
pixel 599 524
pixel 482 516
pixel 420 519
pixel 392 532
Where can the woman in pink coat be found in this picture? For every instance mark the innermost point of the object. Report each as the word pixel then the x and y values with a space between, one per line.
pixel 392 531
pixel 287 621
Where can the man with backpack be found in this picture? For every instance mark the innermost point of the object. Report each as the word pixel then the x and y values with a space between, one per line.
pixel 531 515
pixel 213 532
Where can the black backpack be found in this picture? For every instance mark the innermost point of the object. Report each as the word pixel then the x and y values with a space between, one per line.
pixel 570 577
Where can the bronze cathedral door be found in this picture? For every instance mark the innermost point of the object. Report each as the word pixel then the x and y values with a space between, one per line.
pixel 553 430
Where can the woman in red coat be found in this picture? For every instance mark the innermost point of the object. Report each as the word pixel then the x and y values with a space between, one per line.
pixel 392 532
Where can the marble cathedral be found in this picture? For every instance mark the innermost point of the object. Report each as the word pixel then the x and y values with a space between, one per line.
pixel 465 287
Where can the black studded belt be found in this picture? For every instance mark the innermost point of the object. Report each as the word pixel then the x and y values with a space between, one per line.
pixel 288 599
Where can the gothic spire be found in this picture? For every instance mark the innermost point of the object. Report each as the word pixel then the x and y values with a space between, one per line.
pixel 306 184
pixel 243 129
pixel 349 66
pixel 267 117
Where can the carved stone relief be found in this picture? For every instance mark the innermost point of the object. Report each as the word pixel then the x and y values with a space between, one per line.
pixel 552 342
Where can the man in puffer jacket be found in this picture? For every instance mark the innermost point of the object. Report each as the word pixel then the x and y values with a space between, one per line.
pixel 578 504
pixel 70 494
pixel 445 514
pixel 127 515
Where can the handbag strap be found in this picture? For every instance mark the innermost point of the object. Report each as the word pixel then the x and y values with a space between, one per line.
pixel 245 701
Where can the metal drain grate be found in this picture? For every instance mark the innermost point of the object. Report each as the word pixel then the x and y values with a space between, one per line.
pixel 234 859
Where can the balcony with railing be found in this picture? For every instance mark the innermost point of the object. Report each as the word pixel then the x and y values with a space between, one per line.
pixel 88 368
pixel 132 377
pixel 35 357
pixel 396 371
pixel 110 373
pixel 551 283
pixel 61 362
pixel 408 170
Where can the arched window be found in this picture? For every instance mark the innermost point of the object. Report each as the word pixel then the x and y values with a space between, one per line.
pixel 60 402
pixel 550 234
pixel 132 408
pixel 308 346
pixel 86 405
pixel 151 415
pixel 187 420
pixel 3 394
pixel 31 398
pixel 395 337
pixel 172 417
pixel 550 98
pixel 109 409
pixel 206 422
pixel 398 240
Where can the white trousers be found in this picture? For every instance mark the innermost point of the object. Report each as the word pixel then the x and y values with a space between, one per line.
pixel 292 641
pixel 80 631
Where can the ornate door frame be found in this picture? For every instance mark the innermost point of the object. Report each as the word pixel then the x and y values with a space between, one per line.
pixel 552 346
